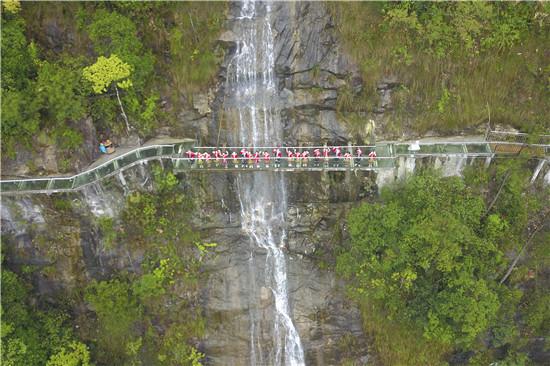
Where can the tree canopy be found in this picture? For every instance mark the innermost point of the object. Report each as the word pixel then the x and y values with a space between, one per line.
pixel 106 71
pixel 425 253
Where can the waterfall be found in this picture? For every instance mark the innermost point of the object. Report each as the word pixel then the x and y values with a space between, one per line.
pixel 99 202
pixel 252 96
pixel 454 165
pixel 406 166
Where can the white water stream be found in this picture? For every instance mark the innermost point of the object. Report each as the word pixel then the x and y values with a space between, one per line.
pixel 251 94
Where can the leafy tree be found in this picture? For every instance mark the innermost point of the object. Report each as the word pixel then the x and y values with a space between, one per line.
pixel 176 351
pixel 17 55
pixel 107 72
pixel 76 354
pixel 113 33
pixel 59 92
pixel 11 6
pixel 20 119
pixel 422 256
pixel 29 335
pixel 117 313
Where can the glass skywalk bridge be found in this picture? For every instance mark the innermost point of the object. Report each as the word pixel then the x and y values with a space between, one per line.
pixel 387 157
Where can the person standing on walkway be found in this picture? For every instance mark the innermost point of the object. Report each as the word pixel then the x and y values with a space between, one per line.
pixel 217 155
pixel 348 159
pixel 199 159
pixel 317 155
pixel 305 161
pixel 338 152
pixel 359 153
pixel 224 158
pixel 290 156
pixel 326 154
pixel 278 155
pixel 372 159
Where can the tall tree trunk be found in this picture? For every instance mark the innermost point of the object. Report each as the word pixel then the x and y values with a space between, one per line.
pixel 515 262
pixel 508 173
pixel 122 109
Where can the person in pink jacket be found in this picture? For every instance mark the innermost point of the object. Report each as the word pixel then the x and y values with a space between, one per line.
pixel 235 159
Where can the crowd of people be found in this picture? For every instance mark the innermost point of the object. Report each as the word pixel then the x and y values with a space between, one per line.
pixel 249 158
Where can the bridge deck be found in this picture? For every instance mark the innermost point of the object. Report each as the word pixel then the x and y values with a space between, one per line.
pixel 174 150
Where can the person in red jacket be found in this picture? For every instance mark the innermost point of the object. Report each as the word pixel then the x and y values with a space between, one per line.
pixel 326 155
pixel 298 157
pixel 290 156
pixel 278 155
pixel 359 153
pixel 372 159
pixel 317 157
pixel 305 161
pixel 348 158
pixel 224 158
pixel 235 159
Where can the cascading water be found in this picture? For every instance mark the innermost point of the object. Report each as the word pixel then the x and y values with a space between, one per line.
pixel 251 96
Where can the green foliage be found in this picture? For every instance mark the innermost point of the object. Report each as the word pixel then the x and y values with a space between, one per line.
pixel 421 255
pixel 132 308
pixel 117 313
pixel 37 94
pixel 536 312
pixel 175 350
pixel 461 63
pixel 76 354
pixel 59 93
pixel 17 61
pixel 153 284
pixel 106 71
pixel 43 89
pixel 20 119
pixel 142 212
pixel 11 6
pixel 107 227
pixel 29 335
pixel 193 59
pixel 114 34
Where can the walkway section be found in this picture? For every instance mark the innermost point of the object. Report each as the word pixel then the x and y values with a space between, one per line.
pixel 186 156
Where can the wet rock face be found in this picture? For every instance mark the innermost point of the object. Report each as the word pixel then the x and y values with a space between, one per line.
pixel 328 324
pixel 311 69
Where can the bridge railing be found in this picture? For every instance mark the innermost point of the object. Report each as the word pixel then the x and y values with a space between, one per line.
pixel 386 156
pixel 285 163
pixel 518 137
pixel 94 174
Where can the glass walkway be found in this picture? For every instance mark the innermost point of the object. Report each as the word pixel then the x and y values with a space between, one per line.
pixel 386 156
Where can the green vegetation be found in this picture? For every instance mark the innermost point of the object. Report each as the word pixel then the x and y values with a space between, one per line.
pixel 46 91
pixel 150 318
pixel 33 336
pixel 110 71
pixel 144 311
pixel 426 264
pixel 459 63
